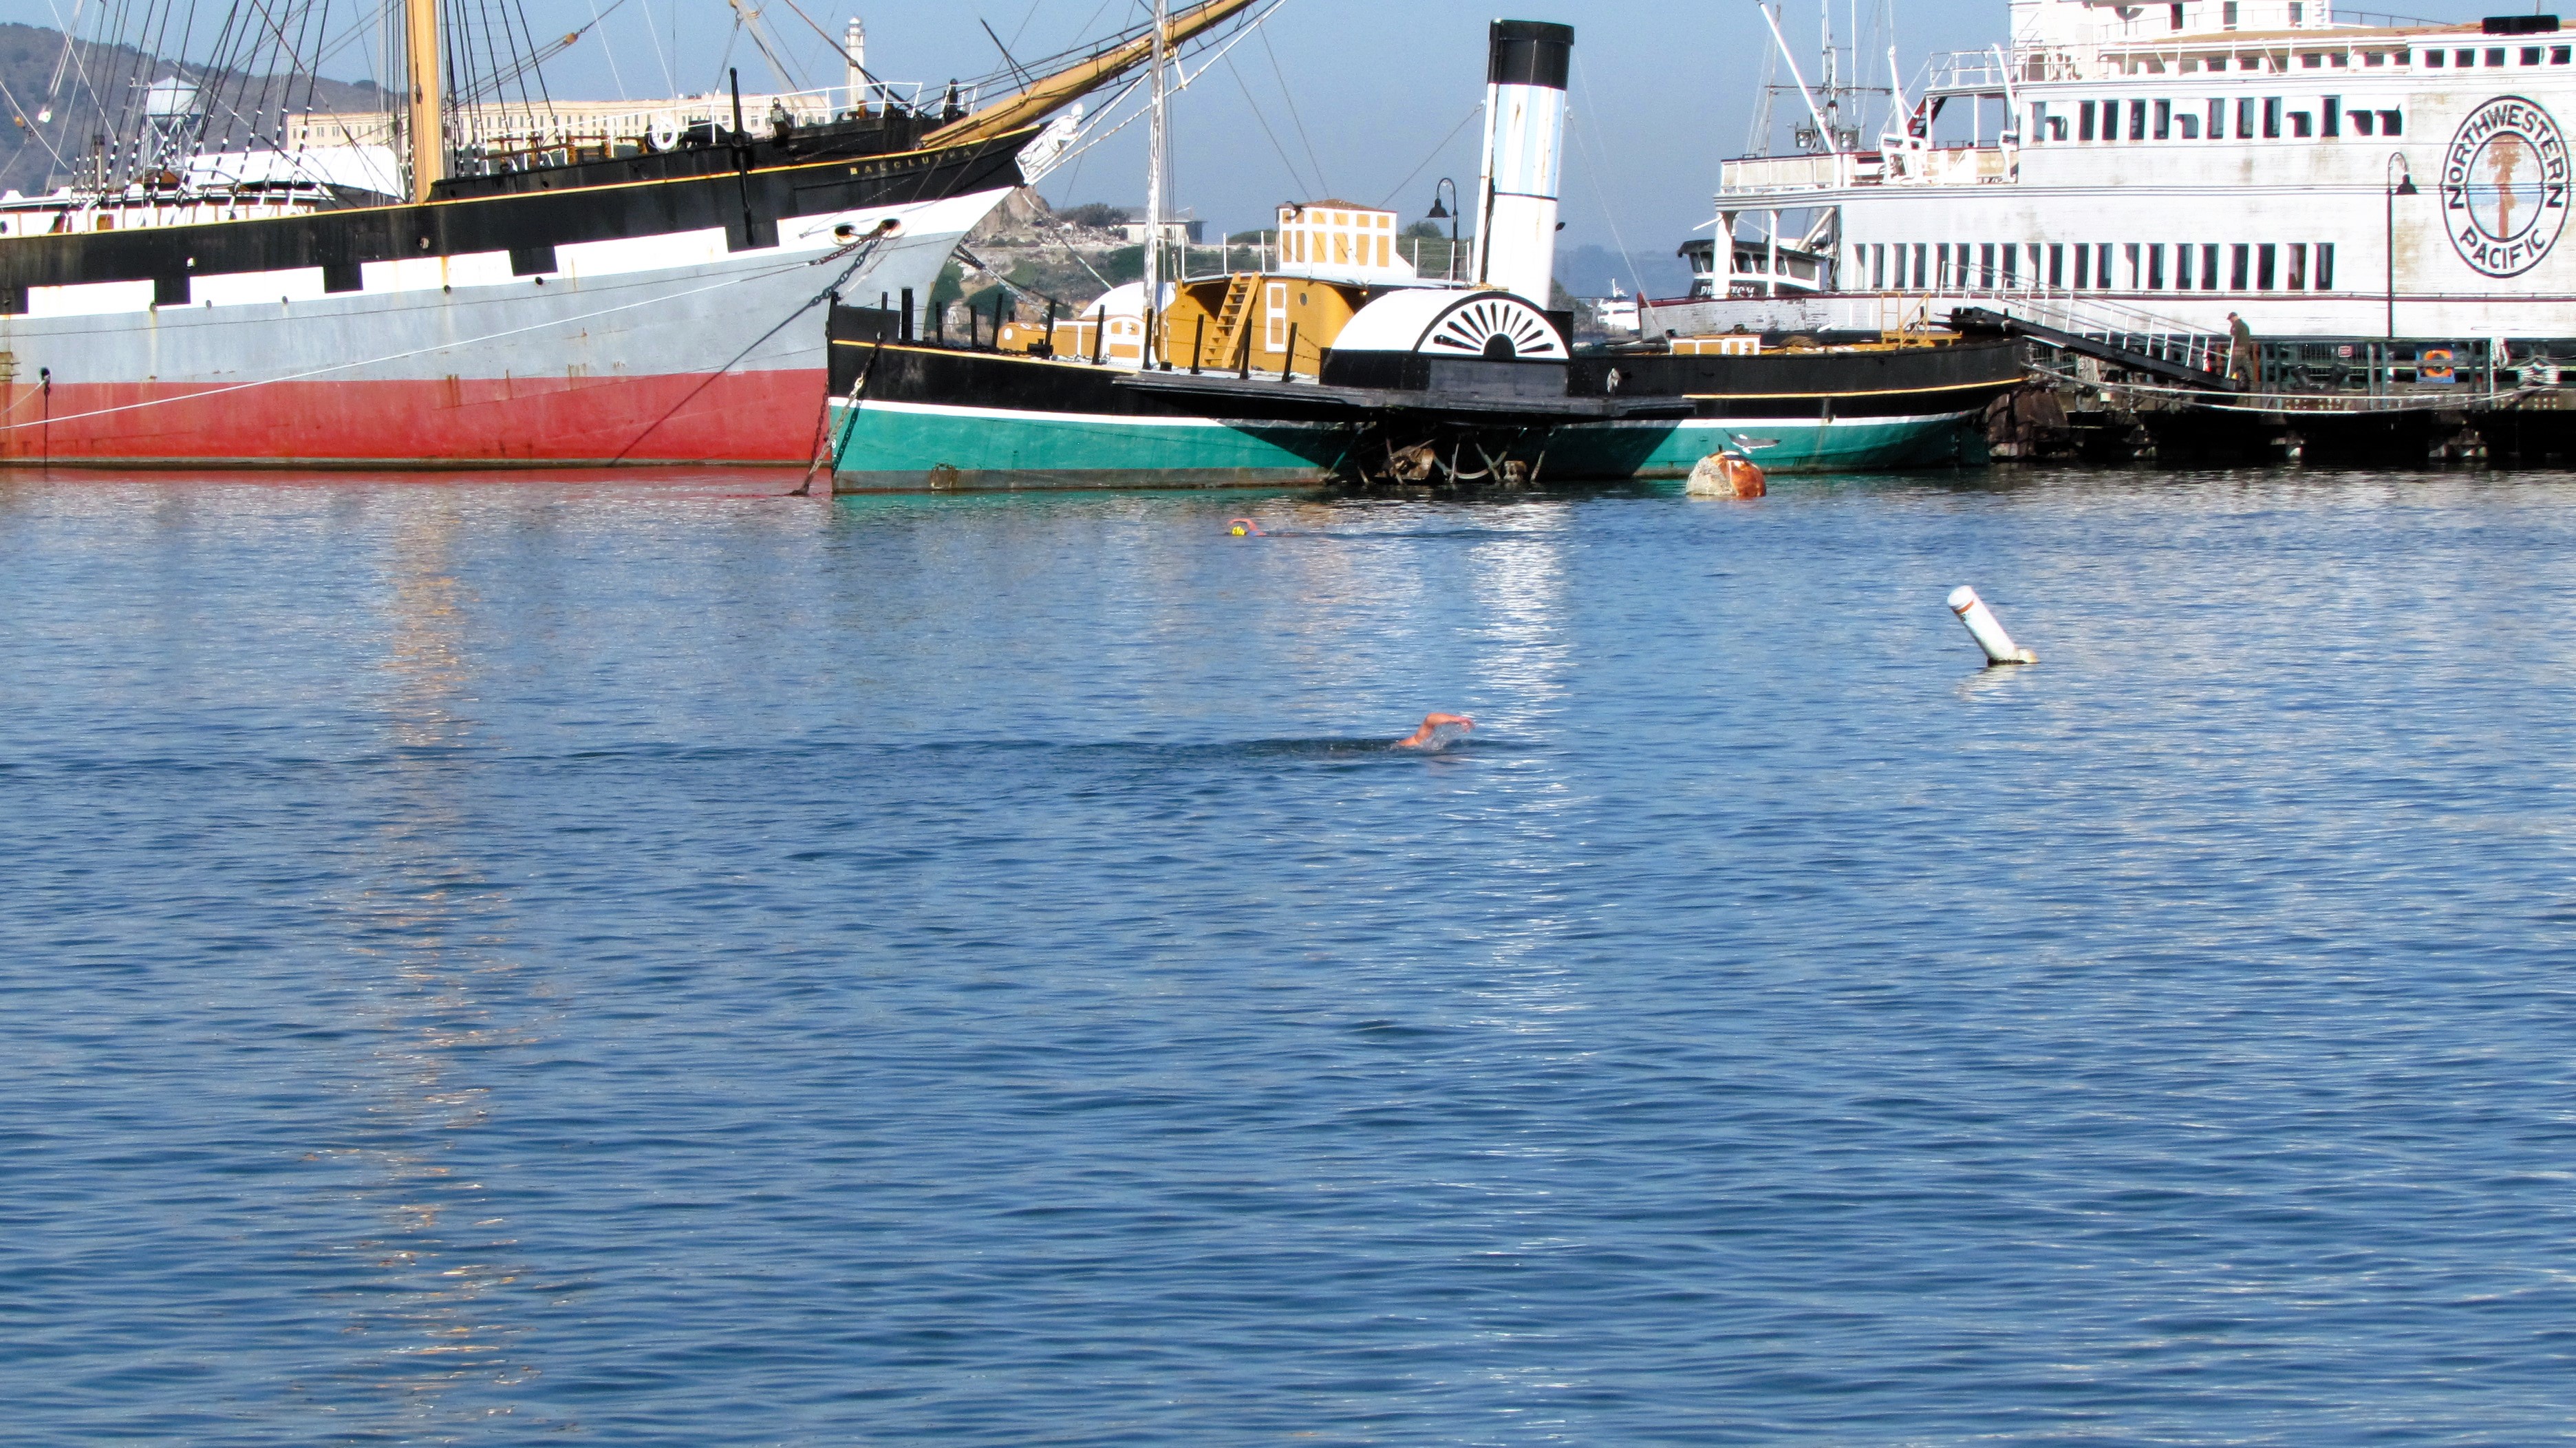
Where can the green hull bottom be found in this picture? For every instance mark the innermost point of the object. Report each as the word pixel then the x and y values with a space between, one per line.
pixel 1617 450
pixel 908 447
pixel 905 448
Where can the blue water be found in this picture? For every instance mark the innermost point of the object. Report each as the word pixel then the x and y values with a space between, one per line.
pixel 502 962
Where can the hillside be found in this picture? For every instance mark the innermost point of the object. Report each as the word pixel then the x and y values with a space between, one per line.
pixel 32 152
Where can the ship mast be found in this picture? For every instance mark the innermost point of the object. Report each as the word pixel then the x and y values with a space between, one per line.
pixel 1154 148
pixel 428 134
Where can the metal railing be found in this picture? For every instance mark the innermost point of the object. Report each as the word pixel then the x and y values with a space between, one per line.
pixel 566 124
pixel 2066 310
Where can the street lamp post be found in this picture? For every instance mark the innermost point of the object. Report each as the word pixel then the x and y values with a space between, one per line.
pixel 1448 213
pixel 2401 184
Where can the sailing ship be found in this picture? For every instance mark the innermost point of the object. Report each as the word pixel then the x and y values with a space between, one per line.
pixel 2148 169
pixel 458 285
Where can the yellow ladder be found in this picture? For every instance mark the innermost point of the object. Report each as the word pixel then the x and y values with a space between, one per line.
pixel 1230 318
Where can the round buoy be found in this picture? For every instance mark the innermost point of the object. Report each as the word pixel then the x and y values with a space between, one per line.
pixel 1725 475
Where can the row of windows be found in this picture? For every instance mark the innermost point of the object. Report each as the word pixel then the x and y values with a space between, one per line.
pixel 2266 116
pixel 2151 266
pixel 2467 56
pixel 2434 57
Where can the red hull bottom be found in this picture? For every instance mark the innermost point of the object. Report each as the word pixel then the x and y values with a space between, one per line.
pixel 742 417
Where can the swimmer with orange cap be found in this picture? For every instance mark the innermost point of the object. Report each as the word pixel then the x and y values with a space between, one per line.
pixel 1430 735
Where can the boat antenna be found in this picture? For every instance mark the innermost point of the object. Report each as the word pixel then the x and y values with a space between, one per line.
pixel 1158 138
pixel 1831 143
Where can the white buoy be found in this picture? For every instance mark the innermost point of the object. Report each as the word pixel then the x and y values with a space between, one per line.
pixel 1987 629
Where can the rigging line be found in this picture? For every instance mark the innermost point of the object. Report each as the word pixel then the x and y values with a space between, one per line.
pixel 656 300
pixel 1025 19
pixel 21 112
pixel 1188 79
pixel 866 251
pixel 1264 121
pixel 610 51
pixel 1434 153
pixel 53 87
pixel 527 37
pixel 1592 149
pixel 1019 75
pixel 670 78
pixel 799 12
pixel 1296 117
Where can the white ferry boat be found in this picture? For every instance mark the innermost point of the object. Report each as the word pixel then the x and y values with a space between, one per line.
pixel 2319 176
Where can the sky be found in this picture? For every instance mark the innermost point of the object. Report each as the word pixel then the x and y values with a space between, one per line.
pixel 1361 100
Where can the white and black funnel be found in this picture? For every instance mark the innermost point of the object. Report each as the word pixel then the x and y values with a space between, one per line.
pixel 1524 143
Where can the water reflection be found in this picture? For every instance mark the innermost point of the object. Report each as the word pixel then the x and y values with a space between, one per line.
pixel 432 1311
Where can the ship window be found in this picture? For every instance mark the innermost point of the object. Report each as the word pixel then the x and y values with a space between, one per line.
pixel 2325 266
pixel 2240 255
pixel 2218 120
pixel 2227 15
pixel 2559 54
pixel 2361 123
pixel 2333 116
pixel 2209 266
pixel 2398 57
pixel 2432 58
pixel 2083 266
pixel 1986 266
pixel 2464 57
pixel 2102 266
pixel 2495 55
pixel 2177 23
pixel 2264 256
pixel 2110 120
pixel 1877 266
pixel 2130 254
pixel 2164 120
pixel 1922 262
pixel 2300 125
pixel 2298 277
pixel 2245 119
pixel 2271 118
pixel 2012 272
pixel 2083 121
pixel 2531 55
pixel 2311 60
pixel 2182 267
pixel 2057 263
pixel 2190 127
pixel 2155 267
pixel 2342 60
pixel 2388 124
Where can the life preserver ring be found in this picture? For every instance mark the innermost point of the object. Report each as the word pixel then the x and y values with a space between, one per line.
pixel 665 134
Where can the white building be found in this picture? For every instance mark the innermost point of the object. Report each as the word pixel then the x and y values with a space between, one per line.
pixel 2183 161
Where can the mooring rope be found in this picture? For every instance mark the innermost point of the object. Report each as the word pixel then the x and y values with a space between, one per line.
pixel 657 299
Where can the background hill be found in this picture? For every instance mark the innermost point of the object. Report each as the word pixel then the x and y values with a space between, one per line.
pixel 34 153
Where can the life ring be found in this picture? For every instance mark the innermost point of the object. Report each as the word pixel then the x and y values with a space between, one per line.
pixel 665 134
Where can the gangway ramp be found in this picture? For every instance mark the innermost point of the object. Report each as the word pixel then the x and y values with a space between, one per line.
pixel 2121 336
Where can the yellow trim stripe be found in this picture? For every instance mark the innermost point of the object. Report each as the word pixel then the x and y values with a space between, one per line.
pixel 1874 392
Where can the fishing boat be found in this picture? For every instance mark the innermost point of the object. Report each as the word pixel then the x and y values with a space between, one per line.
pixel 461 282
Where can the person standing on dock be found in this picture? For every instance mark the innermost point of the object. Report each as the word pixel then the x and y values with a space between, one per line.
pixel 2240 353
